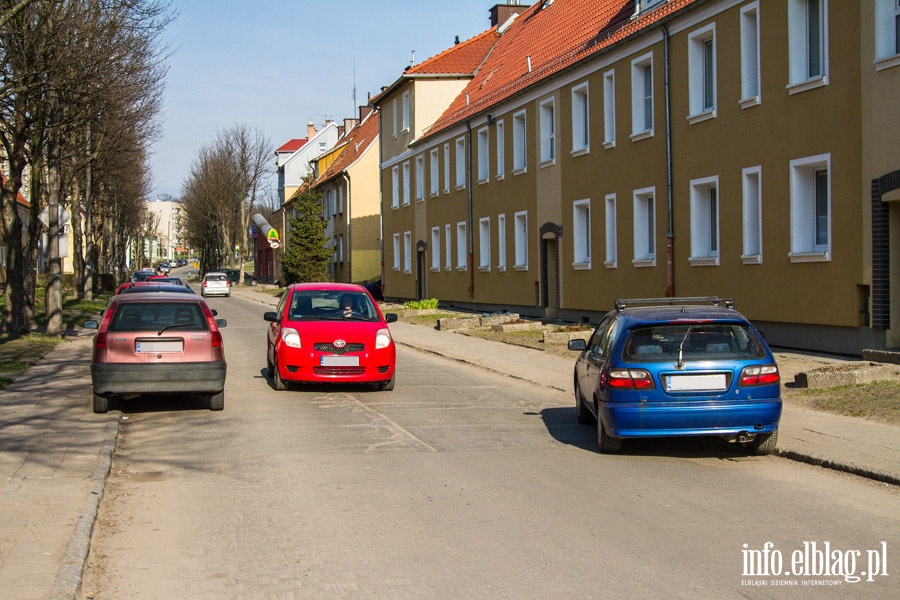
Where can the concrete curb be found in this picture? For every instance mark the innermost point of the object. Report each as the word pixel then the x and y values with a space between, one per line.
pixel 71 570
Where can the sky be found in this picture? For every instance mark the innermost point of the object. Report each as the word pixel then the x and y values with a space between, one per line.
pixel 274 65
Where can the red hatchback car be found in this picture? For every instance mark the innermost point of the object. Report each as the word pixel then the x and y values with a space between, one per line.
pixel 162 343
pixel 329 333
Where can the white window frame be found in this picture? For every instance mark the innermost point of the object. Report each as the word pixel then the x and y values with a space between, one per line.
pixel 751 213
pixel 501 149
pixel 887 34
pixel 484 159
pixel 804 218
pixel 751 86
pixel 461 244
pixel 448 256
pixel 520 235
pixel 406 183
pixel 705 229
pixel 447 168
pixel 396 123
pixel 407 252
pixel 581 234
pixel 341 247
pixel 396 251
pixel 702 73
pixel 642 104
pixel 581 119
pixel 484 244
pixel 609 109
pixel 405 113
pixel 547 112
pixel 340 199
pixel 612 253
pixel 420 178
pixel 645 224
pixel 501 242
pixel 460 146
pixel 435 248
pixel 435 174
pixel 520 142
pixel 799 46
pixel 395 185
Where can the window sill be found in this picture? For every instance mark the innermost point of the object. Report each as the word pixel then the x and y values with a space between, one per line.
pixel 750 102
pixel 407 272
pixel 435 269
pixel 395 207
pixel 700 117
pixel 406 203
pixel 484 181
pixel 581 151
pixel 501 269
pixel 609 145
pixel 396 269
pixel 611 264
pixel 520 171
pixel 887 62
pixel 460 188
pixel 420 199
pixel 649 261
pixel 521 267
pixel 643 135
pixel 751 259
pixel 460 269
pixel 547 163
pixel 808 257
pixel 582 266
pixel 704 261
pixel 500 177
pixel 435 194
pixel 804 86
pixel 484 269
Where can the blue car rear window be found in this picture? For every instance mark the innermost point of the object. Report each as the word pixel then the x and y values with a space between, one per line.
pixel 707 341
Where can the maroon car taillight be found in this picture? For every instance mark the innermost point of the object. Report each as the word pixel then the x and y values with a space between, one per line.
pixel 630 379
pixel 216 339
pixel 100 341
pixel 760 375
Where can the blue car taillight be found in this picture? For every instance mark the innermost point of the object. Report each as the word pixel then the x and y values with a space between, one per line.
pixel 630 379
pixel 759 375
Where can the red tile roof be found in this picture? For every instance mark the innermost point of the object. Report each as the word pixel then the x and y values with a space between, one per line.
pixel 292 146
pixel 460 59
pixel 555 37
pixel 355 144
pixel 20 199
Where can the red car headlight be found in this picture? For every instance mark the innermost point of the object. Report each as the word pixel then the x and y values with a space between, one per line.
pixel 382 338
pixel 291 337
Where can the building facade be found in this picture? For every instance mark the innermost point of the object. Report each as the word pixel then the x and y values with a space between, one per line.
pixel 608 149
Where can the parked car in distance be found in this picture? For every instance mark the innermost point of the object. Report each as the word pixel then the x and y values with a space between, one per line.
pixel 373 286
pixel 142 274
pixel 665 367
pixel 329 333
pixel 234 276
pixel 165 343
pixel 215 283
pixel 163 267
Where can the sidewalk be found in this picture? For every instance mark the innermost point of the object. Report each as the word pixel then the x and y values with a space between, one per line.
pixel 55 453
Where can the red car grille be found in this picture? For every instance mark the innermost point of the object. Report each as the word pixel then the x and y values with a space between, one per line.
pixel 339 371
pixel 332 349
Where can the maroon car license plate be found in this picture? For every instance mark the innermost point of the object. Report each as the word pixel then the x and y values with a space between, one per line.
pixel 158 346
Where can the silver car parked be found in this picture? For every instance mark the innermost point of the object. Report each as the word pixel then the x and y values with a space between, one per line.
pixel 215 283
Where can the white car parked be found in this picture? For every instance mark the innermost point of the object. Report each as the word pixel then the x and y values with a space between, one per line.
pixel 215 283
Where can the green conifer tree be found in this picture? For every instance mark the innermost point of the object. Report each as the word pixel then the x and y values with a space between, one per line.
pixel 306 257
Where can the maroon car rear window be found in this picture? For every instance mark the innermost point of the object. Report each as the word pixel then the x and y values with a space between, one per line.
pixel 154 316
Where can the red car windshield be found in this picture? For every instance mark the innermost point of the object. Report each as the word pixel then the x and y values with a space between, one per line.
pixel 331 305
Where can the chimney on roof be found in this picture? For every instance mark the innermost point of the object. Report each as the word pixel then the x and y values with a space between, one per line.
pixel 310 130
pixel 364 111
pixel 349 124
pixel 500 13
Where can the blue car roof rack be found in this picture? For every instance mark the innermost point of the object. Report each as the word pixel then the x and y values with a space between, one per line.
pixel 623 303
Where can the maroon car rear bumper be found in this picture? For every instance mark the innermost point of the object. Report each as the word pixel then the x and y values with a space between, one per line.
pixel 167 378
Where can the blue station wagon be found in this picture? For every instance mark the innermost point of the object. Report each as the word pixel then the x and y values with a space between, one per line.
pixel 664 367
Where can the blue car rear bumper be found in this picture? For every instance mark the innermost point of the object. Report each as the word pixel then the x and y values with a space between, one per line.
pixel 690 418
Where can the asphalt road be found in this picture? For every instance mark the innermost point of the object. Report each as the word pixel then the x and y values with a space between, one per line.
pixel 458 484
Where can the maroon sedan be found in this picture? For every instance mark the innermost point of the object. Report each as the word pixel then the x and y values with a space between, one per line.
pixel 164 343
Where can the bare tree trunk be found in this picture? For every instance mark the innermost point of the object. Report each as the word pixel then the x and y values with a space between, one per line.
pixel 54 270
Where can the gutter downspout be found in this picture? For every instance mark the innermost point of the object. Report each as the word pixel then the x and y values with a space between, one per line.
pixel 346 176
pixel 376 109
pixel 470 243
pixel 670 232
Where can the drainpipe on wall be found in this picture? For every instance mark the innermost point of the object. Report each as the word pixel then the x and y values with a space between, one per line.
pixel 346 176
pixel 670 232
pixel 470 243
